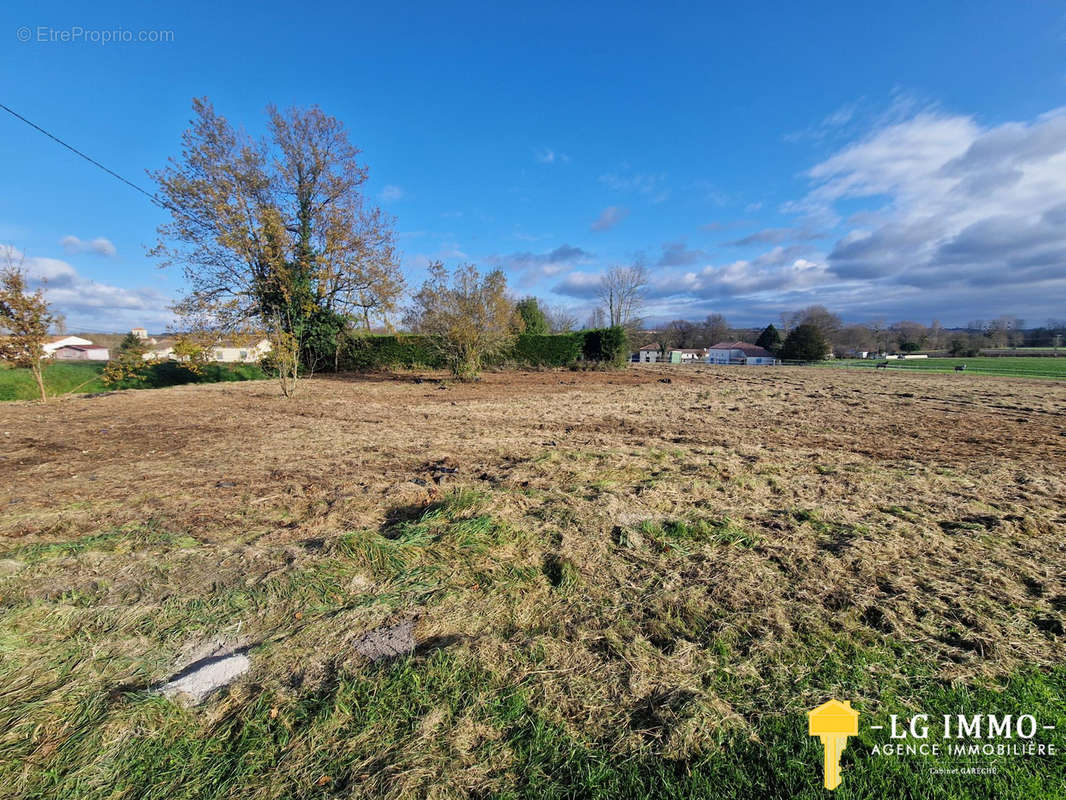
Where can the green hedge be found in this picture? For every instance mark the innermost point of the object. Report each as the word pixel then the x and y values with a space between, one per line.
pixel 609 346
pixel 545 350
pixel 361 353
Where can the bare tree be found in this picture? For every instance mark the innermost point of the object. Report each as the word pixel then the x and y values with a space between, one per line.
pixel 622 291
pixel 716 329
pixel 24 320
pixel 560 320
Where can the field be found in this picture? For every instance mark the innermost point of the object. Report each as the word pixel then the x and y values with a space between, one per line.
pixel 1006 366
pixel 554 584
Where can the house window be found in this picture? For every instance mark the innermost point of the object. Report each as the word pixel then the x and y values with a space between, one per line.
pixel 244 355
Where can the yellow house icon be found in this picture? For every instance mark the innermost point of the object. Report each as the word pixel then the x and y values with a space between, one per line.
pixel 833 722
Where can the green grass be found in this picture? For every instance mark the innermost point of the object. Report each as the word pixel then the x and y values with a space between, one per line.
pixel 403 728
pixel 17 383
pixel 59 378
pixel 1008 366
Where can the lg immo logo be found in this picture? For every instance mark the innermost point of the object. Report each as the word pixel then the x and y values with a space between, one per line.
pixel 970 737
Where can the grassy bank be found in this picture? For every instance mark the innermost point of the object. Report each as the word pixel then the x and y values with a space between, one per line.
pixel 84 378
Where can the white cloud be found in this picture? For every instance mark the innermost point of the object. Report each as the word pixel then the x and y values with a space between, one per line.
pixel 958 204
pixel 609 218
pixel 99 246
pixel 546 155
pixel 90 305
pixel 649 184
pixel 531 267
pixel 391 193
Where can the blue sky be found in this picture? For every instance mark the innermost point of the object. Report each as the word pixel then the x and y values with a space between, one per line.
pixel 902 160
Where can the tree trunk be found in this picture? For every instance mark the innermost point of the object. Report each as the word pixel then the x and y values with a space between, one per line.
pixel 38 375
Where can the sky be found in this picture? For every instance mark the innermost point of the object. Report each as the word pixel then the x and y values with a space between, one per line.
pixel 887 160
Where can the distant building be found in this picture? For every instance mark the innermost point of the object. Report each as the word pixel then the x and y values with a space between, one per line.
pixel 649 353
pixel 51 347
pixel 140 333
pixel 225 352
pixel 739 353
pixel 687 355
pixel 81 352
pixel 246 354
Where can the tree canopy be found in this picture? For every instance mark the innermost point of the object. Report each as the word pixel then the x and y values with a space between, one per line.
pixel 271 232
pixel 804 343
pixel 533 316
pixel 469 315
pixel 770 339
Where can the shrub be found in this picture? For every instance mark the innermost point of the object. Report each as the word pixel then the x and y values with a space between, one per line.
pixel 607 346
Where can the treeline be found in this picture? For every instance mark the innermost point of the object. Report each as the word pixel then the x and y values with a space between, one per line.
pixel 601 347
pixel 878 336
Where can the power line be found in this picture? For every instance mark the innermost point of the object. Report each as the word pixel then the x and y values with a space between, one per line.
pixel 91 160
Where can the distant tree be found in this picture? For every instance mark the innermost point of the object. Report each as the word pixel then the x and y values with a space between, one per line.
pixel 469 315
pixel 536 321
pixel 560 320
pixel 962 344
pixel 24 321
pixel 769 339
pixel 804 343
pixel 596 319
pixel 622 291
pixel 819 316
pixel 853 338
pixel 128 362
pixel 681 334
pixel 716 329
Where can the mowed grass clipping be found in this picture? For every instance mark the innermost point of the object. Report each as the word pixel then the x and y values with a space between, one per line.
pixel 617 587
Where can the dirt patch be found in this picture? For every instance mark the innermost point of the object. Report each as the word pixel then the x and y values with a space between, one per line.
pixel 387 641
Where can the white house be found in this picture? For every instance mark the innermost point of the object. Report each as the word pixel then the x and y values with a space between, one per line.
pixel 649 353
pixel 739 353
pixel 225 352
pixel 248 353
pixel 51 347
pixel 140 333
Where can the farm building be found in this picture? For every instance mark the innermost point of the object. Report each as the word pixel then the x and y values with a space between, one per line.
pixel 649 353
pixel 51 347
pixel 81 352
pixel 687 355
pixel 739 353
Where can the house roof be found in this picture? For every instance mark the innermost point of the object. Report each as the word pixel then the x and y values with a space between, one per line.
pixel 65 341
pixel 752 350
pixel 652 346
pixel 80 347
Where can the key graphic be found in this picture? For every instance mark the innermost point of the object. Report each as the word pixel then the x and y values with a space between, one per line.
pixel 833 722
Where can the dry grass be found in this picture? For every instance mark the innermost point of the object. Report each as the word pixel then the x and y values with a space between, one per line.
pixel 654 564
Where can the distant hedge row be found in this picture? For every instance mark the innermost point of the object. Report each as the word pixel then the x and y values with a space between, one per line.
pixel 603 346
